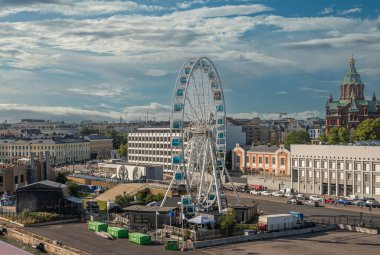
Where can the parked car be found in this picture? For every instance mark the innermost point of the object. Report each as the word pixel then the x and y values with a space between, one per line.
pixel 351 197
pixel 361 203
pixel 329 200
pixel 371 201
pixel 358 202
pixel 375 205
pixel 289 195
pixel 315 198
pixel 277 194
pixel 300 196
pixel 266 193
pixel 294 201
pixel 311 203
pixel 342 201
pixel 255 192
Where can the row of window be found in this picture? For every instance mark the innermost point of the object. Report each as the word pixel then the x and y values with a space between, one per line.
pixel 43 147
pixel 282 160
pixel 150 145
pixel 151 152
pixel 333 164
pixel 340 176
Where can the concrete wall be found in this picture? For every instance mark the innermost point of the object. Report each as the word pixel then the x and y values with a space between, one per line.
pixel 358 229
pixel 271 184
pixel 31 239
pixel 239 239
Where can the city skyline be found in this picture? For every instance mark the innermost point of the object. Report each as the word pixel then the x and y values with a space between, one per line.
pixel 102 60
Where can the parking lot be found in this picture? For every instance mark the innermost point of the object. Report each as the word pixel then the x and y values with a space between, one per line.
pixel 333 242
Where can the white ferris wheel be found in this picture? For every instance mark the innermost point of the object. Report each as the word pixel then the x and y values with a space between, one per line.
pixel 198 136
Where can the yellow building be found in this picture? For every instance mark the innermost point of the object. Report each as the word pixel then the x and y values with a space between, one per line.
pixel 61 150
pixel 100 146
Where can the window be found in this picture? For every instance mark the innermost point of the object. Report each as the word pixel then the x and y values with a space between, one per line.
pixel 358 190
pixel 254 159
pixel 273 160
pixel 302 163
pixel 349 176
pixel 316 164
pixel 1 181
pixel 376 167
pixel 341 176
pixel 317 174
pixel 366 178
pixel 260 160
pixel 266 160
pixel 16 179
pixel 367 167
pixel 358 177
pixel 303 173
pixel 333 175
pixel 282 160
pixel 22 178
pixel 295 162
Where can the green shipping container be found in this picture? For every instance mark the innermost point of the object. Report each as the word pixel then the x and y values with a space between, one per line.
pixel 118 232
pixel 139 238
pixel 97 226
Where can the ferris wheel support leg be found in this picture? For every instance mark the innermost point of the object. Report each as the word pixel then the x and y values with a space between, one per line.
pixel 167 191
pixel 203 171
pixel 217 187
pixel 233 186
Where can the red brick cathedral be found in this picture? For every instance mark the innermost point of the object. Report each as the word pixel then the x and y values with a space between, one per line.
pixel 352 106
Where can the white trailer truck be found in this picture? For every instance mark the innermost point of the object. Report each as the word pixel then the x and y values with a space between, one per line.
pixel 274 222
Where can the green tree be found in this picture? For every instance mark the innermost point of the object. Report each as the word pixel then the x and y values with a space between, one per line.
pixel 73 189
pixel 140 197
pixel 88 131
pixel 228 221
pixel 368 130
pixel 123 150
pixel 61 178
pixel 323 138
pixel 338 135
pixel 123 200
pixel 298 137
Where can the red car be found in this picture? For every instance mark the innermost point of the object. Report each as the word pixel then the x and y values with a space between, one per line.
pixel 329 201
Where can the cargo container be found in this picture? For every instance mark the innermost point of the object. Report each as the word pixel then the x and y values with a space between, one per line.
pixel 274 222
pixel 296 215
pixel 139 238
pixel 97 226
pixel 172 245
pixel 118 232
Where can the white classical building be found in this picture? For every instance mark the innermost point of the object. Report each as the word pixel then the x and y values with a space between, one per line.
pixel 61 150
pixel 151 146
pixel 337 170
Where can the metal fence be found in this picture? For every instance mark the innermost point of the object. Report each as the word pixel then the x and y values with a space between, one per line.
pixel 357 221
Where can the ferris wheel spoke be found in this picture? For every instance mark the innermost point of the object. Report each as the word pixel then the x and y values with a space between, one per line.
pixel 197 91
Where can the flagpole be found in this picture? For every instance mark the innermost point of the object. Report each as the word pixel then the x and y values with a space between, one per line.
pixel 156 226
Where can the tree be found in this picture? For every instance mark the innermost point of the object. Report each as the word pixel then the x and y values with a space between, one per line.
pixel 123 150
pixel 368 130
pixel 73 189
pixel 228 221
pixel 123 200
pixel 298 137
pixel 323 138
pixel 88 131
pixel 140 197
pixel 338 135
pixel 61 178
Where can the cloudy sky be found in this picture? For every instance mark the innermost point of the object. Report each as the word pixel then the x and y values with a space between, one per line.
pixel 102 60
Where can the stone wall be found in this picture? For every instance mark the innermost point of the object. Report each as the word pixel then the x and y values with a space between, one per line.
pixel 29 238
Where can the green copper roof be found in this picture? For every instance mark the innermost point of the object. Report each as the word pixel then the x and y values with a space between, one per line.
pixel 352 76
pixel 353 107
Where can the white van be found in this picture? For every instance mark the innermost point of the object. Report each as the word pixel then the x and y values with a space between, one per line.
pixel 352 197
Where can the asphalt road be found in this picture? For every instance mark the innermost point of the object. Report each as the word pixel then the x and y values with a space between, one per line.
pixel 332 243
pixel 274 205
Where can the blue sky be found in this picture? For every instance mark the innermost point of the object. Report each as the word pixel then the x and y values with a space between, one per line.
pixel 102 60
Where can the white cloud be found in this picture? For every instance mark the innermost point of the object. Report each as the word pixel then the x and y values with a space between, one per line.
pixel 273 116
pixel 156 72
pixel 327 10
pixel 283 92
pixel 350 11
pixel 105 92
pixel 313 90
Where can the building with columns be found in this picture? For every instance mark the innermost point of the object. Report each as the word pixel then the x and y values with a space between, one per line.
pixel 352 106
pixel 336 170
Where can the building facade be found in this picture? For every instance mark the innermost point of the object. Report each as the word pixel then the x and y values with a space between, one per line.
pixel 337 170
pixel 100 146
pixel 352 106
pixel 151 146
pixel 272 160
pixel 12 176
pixel 234 134
pixel 61 150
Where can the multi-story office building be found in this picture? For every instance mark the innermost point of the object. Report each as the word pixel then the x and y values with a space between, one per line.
pixel 273 160
pixel 61 150
pixel 337 170
pixel 151 146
